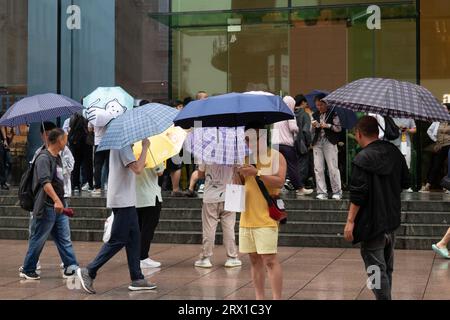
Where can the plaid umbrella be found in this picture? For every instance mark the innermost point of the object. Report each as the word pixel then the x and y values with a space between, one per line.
pixel 39 108
pixel 137 124
pixel 223 145
pixel 388 97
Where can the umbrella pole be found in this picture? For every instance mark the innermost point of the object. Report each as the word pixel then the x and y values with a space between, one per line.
pixel 153 158
pixel 44 136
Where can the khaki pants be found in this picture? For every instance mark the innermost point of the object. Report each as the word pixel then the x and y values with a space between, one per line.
pixel 212 213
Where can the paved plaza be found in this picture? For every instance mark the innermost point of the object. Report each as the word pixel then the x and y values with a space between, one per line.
pixel 309 274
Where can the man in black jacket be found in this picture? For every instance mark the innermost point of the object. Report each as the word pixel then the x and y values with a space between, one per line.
pixel 379 174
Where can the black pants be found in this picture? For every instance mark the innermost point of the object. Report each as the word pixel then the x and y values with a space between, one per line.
pixel 124 233
pixel 293 165
pixel 4 159
pixel 435 171
pixel 148 221
pixel 100 158
pixel 82 154
pixel 303 161
pixel 378 256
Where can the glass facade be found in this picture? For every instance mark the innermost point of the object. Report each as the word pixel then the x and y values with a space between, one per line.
pixel 163 50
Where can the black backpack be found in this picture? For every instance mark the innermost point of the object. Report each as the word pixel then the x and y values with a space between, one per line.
pixel 391 130
pixel 78 129
pixel 26 192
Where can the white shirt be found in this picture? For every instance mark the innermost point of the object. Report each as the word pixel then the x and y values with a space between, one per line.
pixel 147 188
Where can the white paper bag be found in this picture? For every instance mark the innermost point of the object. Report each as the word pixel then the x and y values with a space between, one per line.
pixel 108 226
pixel 235 198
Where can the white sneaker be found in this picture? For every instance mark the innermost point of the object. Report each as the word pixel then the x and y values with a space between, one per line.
pixel 447 192
pixel 203 263
pixel 336 197
pixel 85 187
pixel 96 192
pixel 322 197
pixel 425 189
pixel 38 268
pixel 201 188
pixel 233 262
pixel 61 265
pixel 149 263
pixel 105 187
pixel 409 190
pixel 304 192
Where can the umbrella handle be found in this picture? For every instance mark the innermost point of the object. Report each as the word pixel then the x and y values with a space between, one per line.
pixel 153 158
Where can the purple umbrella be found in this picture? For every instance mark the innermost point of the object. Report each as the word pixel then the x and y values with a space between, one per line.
pixel 39 108
pixel 217 145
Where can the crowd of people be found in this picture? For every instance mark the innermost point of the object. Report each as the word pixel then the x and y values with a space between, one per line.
pixel 304 147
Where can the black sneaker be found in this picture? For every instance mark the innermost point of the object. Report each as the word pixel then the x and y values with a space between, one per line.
pixel 4 186
pixel 68 273
pixel 190 193
pixel 29 275
pixel 86 281
pixel 141 285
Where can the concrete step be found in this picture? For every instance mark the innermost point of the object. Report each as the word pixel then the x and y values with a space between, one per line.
pixel 297 240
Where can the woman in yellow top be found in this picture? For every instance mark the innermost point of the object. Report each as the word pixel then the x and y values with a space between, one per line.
pixel 258 232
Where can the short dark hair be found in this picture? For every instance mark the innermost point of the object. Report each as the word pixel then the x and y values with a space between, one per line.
pixel 47 126
pixel 186 101
pixel 299 99
pixel 368 126
pixel 319 97
pixel 54 135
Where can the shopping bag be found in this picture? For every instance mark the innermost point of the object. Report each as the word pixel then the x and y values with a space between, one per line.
pixel 235 198
pixel 108 227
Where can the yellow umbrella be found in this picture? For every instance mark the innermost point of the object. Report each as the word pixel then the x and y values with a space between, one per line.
pixel 162 147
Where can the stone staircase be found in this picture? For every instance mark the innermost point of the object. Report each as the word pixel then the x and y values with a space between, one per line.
pixel 312 223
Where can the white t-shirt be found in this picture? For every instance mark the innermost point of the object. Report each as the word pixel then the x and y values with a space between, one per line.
pixel 147 188
pixel 216 179
pixel 99 132
pixel 121 179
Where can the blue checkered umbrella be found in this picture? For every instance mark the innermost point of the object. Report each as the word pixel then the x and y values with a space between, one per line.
pixel 39 108
pixel 137 124
pixel 223 145
pixel 388 97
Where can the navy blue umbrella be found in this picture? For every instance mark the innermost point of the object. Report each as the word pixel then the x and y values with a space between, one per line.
pixel 234 110
pixel 39 108
pixel 347 117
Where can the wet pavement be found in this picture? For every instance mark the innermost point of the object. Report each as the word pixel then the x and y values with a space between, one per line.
pixel 309 274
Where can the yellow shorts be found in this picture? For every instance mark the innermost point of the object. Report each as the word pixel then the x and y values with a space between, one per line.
pixel 258 240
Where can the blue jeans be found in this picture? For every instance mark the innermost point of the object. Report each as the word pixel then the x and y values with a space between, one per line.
pixel 56 225
pixel 124 233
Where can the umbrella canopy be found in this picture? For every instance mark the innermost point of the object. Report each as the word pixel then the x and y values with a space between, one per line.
pixel 388 97
pixel 347 117
pixel 137 124
pixel 223 145
pixel 39 108
pixel 105 104
pixel 162 146
pixel 234 110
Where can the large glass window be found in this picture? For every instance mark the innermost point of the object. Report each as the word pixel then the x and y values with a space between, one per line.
pixel 13 73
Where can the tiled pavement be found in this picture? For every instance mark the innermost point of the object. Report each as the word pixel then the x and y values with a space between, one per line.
pixel 309 273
